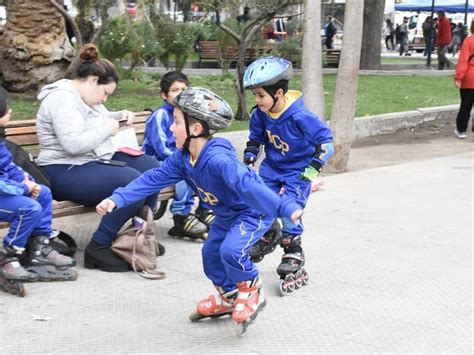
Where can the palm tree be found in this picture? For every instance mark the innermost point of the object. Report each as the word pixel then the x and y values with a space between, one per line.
pixel 34 46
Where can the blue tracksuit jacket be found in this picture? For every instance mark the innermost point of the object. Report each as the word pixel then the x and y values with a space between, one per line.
pixel 158 141
pixel 26 215
pixel 290 143
pixel 244 206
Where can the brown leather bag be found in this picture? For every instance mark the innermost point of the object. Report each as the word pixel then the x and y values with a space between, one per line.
pixel 137 245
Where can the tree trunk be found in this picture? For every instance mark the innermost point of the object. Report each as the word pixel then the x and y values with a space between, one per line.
pixel 371 37
pixel 312 74
pixel 35 49
pixel 342 116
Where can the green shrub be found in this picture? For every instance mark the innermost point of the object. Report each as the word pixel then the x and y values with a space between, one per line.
pixel 290 49
pixel 126 38
pixel 177 39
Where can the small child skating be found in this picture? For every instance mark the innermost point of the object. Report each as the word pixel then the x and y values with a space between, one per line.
pixel 244 206
pixel 297 145
pixel 159 142
pixel 27 254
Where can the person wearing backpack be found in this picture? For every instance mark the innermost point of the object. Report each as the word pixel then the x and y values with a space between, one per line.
pixel 27 254
pixel 329 30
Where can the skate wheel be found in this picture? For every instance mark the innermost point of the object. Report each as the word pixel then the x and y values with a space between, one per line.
pixel 283 288
pixel 195 316
pixel 298 283
pixel 305 278
pixel 241 328
pixel 290 280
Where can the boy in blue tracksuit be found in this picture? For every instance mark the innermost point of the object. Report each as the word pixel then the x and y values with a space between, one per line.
pixel 244 206
pixel 28 207
pixel 158 141
pixel 297 145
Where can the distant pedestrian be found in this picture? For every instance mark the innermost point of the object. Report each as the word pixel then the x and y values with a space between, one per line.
pixel 330 31
pixel 457 38
pixel 443 40
pixel 389 34
pixel 464 80
pixel 429 33
pixel 404 37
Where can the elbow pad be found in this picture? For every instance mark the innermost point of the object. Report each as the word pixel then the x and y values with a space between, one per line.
pixel 323 153
pixel 251 152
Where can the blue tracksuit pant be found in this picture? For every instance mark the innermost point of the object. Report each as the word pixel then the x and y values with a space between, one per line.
pixel 296 187
pixel 225 253
pixel 26 216
pixel 90 183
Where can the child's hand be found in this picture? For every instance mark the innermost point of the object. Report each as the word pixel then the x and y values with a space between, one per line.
pixel 106 206
pixel 295 216
pixel 36 191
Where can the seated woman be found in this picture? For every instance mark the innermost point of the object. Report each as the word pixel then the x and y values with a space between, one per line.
pixel 74 130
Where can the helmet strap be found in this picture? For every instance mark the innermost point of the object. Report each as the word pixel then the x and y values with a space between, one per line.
pixel 273 96
pixel 188 133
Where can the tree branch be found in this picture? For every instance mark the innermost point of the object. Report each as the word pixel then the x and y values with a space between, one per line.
pixel 75 29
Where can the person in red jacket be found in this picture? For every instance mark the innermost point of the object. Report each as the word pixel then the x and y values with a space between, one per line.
pixel 443 39
pixel 464 80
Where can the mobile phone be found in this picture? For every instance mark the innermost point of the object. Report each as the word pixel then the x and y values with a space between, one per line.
pixel 122 122
pixel 112 162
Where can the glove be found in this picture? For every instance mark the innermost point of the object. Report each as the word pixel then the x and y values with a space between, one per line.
pixel 251 152
pixel 310 173
pixel 249 158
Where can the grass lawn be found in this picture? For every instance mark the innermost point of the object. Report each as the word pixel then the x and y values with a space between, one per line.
pixel 376 94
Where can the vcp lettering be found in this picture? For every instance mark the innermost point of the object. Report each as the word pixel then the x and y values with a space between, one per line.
pixel 208 197
pixel 278 143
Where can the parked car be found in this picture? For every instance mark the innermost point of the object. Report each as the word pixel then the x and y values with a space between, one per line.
pixel 417 44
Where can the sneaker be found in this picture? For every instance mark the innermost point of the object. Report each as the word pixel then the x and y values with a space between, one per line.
pixel 460 135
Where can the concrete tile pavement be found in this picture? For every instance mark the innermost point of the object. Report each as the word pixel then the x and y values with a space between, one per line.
pixel 389 252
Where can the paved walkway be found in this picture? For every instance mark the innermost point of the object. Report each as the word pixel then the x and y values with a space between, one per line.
pixel 389 256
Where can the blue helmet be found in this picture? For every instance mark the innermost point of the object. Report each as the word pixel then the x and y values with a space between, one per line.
pixel 267 71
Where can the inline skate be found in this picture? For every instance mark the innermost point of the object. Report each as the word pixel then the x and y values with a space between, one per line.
pixel 292 274
pixel 205 215
pixel 12 274
pixel 189 227
pixel 41 259
pixel 215 306
pixel 267 243
pixel 250 301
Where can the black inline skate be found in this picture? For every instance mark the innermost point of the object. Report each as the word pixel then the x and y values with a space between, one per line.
pixel 205 215
pixel 41 259
pixel 291 271
pixel 12 274
pixel 189 227
pixel 267 243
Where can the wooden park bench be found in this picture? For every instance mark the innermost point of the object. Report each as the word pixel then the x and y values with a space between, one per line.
pixel 331 57
pixel 23 133
pixel 211 51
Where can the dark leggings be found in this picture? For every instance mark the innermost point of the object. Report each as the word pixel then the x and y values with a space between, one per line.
pixel 90 183
pixel 464 114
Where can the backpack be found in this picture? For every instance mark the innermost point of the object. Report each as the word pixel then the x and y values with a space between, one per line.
pixel 398 33
pixel 26 161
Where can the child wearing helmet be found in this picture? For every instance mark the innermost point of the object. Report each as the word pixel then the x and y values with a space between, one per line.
pixel 297 145
pixel 244 206
pixel 158 141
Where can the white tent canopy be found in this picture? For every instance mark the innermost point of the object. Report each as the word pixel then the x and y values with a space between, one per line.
pixel 452 6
